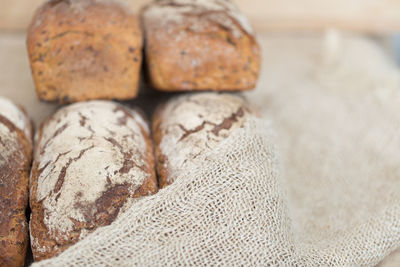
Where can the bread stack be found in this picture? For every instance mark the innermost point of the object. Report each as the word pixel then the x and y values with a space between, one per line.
pixel 94 158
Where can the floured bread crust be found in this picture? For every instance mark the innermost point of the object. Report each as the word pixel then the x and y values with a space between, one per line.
pixel 199 45
pixel 85 49
pixel 190 125
pixel 16 115
pixel 15 162
pixel 91 160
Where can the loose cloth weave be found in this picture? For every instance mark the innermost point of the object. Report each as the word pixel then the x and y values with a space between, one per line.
pixel 316 182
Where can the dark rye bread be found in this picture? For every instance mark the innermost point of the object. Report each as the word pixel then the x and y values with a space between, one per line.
pixel 91 161
pixel 15 162
pixel 190 125
pixel 85 49
pixel 199 45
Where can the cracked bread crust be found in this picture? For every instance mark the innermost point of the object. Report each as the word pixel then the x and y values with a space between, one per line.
pixel 190 125
pixel 85 49
pixel 91 161
pixel 199 45
pixel 15 161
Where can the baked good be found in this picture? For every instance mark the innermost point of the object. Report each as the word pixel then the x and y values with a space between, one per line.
pixel 85 49
pixel 91 161
pixel 15 161
pixel 190 125
pixel 199 45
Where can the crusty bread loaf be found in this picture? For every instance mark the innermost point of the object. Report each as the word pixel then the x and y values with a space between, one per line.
pixel 85 49
pixel 190 125
pixel 91 161
pixel 15 162
pixel 199 45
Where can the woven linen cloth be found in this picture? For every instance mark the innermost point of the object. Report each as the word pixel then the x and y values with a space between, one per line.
pixel 316 182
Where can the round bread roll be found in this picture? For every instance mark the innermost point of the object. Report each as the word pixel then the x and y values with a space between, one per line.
pixel 190 125
pixel 15 161
pixel 91 161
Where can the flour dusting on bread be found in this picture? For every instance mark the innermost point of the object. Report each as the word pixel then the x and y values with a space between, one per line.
pixel 222 12
pixel 86 150
pixel 193 124
pixel 8 146
pixel 15 115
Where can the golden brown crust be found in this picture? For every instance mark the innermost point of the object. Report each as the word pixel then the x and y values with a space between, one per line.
pixel 196 51
pixel 107 204
pixel 84 49
pixel 14 173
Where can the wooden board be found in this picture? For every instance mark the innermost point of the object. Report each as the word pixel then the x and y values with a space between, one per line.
pixel 16 80
pixel 16 83
pixel 376 16
pixel 372 16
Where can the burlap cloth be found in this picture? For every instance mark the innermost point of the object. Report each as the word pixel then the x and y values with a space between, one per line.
pixel 316 182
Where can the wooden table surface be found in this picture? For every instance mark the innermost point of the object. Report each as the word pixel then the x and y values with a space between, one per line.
pixel 377 16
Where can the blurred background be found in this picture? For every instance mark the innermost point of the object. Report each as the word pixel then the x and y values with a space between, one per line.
pixel 371 16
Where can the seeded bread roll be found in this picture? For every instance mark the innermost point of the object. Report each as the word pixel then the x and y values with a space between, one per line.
pixel 91 161
pixel 199 45
pixel 190 125
pixel 15 162
pixel 85 49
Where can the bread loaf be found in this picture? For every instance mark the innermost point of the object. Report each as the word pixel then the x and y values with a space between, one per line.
pixel 91 161
pixel 199 45
pixel 190 125
pixel 15 162
pixel 85 49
